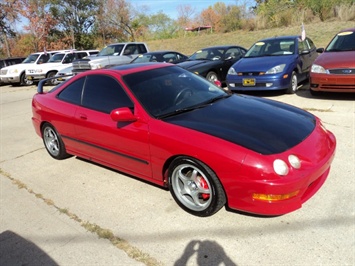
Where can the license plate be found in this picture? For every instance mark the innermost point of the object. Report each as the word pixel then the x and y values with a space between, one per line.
pixel 248 82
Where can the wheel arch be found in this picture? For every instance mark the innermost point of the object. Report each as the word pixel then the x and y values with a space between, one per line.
pixel 168 162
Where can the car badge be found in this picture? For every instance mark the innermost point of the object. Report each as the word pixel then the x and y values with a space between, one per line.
pixel 347 71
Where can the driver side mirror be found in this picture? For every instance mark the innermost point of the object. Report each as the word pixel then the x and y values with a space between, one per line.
pixel 123 114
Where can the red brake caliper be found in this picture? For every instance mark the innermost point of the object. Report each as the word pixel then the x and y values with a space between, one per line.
pixel 204 185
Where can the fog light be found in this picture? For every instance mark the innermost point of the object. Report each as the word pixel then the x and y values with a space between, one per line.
pixel 268 84
pixel 272 197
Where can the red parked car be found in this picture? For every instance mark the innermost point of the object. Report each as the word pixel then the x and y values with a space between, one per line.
pixel 334 69
pixel 171 127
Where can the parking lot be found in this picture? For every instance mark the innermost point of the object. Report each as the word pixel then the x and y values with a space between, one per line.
pixel 73 212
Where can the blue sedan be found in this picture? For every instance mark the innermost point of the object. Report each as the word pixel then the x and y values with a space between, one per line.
pixel 279 63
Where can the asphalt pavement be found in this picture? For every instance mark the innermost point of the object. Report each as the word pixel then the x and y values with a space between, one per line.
pixel 73 212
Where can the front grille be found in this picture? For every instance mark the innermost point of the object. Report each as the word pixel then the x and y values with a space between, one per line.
pixel 249 74
pixel 81 64
pixel 342 71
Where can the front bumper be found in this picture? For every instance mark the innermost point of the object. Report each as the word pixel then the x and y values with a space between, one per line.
pixel 316 153
pixel 332 83
pixel 10 79
pixel 258 83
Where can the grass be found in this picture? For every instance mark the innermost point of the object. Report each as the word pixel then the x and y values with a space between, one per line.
pixel 320 33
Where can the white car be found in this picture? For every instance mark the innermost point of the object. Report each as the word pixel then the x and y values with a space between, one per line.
pixel 15 74
pixel 64 74
pixel 56 63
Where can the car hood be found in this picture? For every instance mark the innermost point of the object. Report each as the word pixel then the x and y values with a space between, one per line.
pixel 98 58
pixel 259 64
pixel 336 59
pixel 193 63
pixel 264 126
pixel 17 66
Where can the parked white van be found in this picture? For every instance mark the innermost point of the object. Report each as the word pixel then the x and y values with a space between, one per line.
pixel 16 74
pixel 56 63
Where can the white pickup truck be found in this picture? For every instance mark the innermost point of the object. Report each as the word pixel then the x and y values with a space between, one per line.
pixel 16 74
pixel 113 54
pixel 56 63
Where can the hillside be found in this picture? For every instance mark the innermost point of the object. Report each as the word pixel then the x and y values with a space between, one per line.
pixel 321 33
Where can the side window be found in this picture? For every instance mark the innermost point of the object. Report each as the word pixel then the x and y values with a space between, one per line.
pixel 311 44
pixel 104 93
pixel 301 46
pixel 130 49
pixel 81 55
pixel 72 93
pixel 233 53
pixel 141 48
pixel 43 58
pixel 170 58
pixel 68 58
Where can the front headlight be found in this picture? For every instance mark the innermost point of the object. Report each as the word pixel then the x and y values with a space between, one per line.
pixel 318 69
pixel 280 167
pixel 13 71
pixel 232 71
pixel 294 161
pixel 276 69
pixel 95 65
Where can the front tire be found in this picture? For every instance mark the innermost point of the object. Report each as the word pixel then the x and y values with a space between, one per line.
pixel 53 142
pixel 24 81
pixel 52 82
pixel 195 187
pixel 293 83
pixel 212 76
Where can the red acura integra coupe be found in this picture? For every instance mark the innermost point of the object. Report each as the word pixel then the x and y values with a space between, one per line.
pixel 173 128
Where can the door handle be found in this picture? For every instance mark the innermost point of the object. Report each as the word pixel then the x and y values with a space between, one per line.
pixel 83 116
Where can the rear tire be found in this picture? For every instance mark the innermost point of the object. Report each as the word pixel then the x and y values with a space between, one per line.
pixel 53 142
pixel 195 187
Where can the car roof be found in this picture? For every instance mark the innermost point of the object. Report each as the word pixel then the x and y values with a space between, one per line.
pixel 161 52
pixel 349 29
pixel 280 38
pixel 129 68
pixel 219 46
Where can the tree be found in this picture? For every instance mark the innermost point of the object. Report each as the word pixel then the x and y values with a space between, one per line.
pixel 40 22
pixel 185 16
pixel 8 14
pixel 119 15
pixel 76 19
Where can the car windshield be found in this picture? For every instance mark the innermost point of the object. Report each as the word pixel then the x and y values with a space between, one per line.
pixel 172 90
pixel 274 47
pixel 111 50
pixel 344 41
pixel 31 59
pixel 57 58
pixel 208 54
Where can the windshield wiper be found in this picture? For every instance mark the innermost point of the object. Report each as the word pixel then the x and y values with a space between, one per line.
pixel 179 111
pixel 194 107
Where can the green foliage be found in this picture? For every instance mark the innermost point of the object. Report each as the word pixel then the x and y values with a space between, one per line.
pixel 79 20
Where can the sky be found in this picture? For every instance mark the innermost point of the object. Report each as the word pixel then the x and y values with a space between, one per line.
pixel 170 7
